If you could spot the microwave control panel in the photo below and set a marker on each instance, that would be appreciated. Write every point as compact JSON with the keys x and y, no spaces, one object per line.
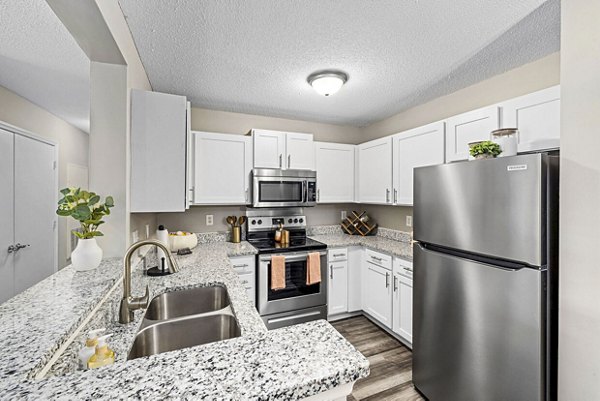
{"x":311,"y":195}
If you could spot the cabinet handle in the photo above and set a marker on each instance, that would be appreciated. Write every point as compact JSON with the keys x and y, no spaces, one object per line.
{"x":289,"y":161}
{"x":387,"y":196}
{"x":280,"y":161}
{"x":395,"y":283}
{"x":244,"y":281}
{"x":408,"y":269}
{"x":376,"y":258}
{"x":318,"y":195}
{"x":395,"y":196}
{"x":337,"y":255}
{"x":238,"y":266}
{"x":331,"y":272}
{"x":387,"y":280}
{"x":246,"y":195}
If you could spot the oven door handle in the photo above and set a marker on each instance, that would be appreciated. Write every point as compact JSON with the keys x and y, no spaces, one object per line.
{"x":294,"y":258}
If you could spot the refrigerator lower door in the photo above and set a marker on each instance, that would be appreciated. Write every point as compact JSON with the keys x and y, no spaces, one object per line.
{"x":478,"y":330}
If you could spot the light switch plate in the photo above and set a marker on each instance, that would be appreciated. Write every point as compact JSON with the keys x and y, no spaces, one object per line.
{"x":344,"y":214}
{"x":209,"y":219}
{"x":409,"y":221}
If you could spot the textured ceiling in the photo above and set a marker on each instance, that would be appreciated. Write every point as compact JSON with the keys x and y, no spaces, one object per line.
{"x":40,"y":60}
{"x":254,"y":56}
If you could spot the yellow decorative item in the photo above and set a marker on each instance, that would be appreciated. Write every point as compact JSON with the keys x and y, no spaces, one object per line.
{"x":182,"y":239}
{"x":104,"y":356}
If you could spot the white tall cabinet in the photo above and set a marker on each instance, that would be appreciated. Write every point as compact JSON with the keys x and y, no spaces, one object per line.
{"x":159,"y":152}
{"x":222,"y":165}
{"x":375,"y":171}
{"x":472,"y":126}
{"x":335,"y":172}
{"x":402,"y":306}
{"x":423,"y":146}
{"x":285,"y":150}
{"x":28,"y":235}
{"x":537,"y":116}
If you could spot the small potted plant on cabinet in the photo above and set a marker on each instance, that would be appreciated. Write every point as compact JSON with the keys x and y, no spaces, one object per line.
{"x":484,"y":150}
{"x":86,"y":208}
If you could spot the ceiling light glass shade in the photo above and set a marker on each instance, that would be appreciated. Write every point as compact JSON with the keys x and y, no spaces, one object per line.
{"x":327,"y":82}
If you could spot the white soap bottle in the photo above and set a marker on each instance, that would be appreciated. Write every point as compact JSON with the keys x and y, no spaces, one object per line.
{"x":90,"y":347}
{"x":162,"y":234}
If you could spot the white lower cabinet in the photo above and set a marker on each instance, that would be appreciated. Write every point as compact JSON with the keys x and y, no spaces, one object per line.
{"x":337,"y":295}
{"x":355,"y":262}
{"x":402,"y":306}
{"x":245,"y":267}
{"x":377,"y":289}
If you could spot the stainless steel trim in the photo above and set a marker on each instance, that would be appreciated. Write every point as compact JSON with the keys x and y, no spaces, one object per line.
{"x":289,"y":256}
{"x":283,"y":319}
{"x":291,"y":173}
{"x":293,"y":317}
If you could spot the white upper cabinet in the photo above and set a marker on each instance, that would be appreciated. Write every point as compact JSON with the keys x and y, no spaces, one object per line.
{"x":275,"y":149}
{"x":423,"y":146}
{"x":375,"y":171}
{"x":537,"y":116}
{"x":222,"y":165}
{"x":476,"y":125}
{"x":158,"y":152}
{"x":335,"y":172}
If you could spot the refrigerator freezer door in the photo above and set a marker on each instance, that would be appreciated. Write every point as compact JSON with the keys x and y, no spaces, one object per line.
{"x":491,"y":207}
{"x":477,"y":330}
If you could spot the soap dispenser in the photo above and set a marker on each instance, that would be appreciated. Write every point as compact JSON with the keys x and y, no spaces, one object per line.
{"x":90,"y":347}
{"x":103,"y":356}
{"x":162,"y":234}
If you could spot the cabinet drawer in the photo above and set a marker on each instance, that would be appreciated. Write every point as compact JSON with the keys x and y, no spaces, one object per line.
{"x":403,"y":267}
{"x":379,"y":259}
{"x":337,"y":254}
{"x":244,"y":264}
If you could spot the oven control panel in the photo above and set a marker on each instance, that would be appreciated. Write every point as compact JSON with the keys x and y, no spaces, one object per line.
{"x":269,"y":222}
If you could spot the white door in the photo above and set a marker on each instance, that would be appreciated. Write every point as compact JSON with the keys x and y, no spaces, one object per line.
{"x":355,"y":264}
{"x":377,"y":293}
{"x":337,"y":296}
{"x":423,"y":146}
{"x":269,"y":148}
{"x":335,"y":172}
{"x":300,"y":151}
{"x":375,"y":171}
{"x":537,"y":116}
{"x":405,"y":295}
{"x":222,"y":164}
{"x":7,"y":227}
{"x":34,"y":211}
{"x":476,"y":125}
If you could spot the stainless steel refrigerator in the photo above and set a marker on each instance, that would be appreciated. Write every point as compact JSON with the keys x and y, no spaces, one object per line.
{"x":485,"y":279}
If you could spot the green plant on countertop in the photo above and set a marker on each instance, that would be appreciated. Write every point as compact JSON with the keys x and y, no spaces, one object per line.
{"x":485,"y":148}
{"x":86,"y":208}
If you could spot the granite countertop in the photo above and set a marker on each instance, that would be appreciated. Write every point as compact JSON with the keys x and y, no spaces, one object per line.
{"x":401,"y":249}
{"x":285,"y":364}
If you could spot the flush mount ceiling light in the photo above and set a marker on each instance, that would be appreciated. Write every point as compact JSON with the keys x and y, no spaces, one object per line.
{"x":327,"y":82}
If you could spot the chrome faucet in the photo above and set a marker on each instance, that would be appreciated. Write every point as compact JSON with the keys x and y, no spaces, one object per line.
{"x":129,"y":303}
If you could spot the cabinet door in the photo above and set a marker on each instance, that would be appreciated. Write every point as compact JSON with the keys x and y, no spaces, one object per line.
{"x":423,"y":146}
{"x":222,"y":164}
{"x":475,"y":125}
{"x":377,"y":293}
{"x":337,"y":296}
{"x":300,"y":151}
{"x":405,"y":295}
{"x":335,"y":172}
{"x":355,"y":261}
{"x":375,"y":171}
{"x":7,"y":205}
{"x":158,"y":152}
{"x":269,"y":148}
{"x":537,"y":116}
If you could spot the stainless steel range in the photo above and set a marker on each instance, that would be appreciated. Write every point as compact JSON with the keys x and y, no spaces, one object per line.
{"x":297,"y":302}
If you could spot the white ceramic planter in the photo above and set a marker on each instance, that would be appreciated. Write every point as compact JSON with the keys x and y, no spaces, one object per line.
{"x":87,"y":255}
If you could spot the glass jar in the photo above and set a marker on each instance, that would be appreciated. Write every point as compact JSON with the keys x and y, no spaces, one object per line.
{"x":507,"y":139}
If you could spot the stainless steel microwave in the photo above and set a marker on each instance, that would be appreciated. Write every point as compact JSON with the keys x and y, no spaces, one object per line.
{"x":283,"y":188}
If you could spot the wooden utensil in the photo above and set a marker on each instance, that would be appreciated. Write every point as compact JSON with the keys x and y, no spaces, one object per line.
{"x":242,"y":220}
{"x":231,"y":220}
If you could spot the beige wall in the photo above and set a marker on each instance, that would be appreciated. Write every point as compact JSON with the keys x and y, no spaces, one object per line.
{"x":72,"y":144}
{"x":238,"y":123}
{"x":579,"y":304}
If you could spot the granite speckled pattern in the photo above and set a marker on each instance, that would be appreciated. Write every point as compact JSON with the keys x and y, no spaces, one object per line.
{"x":400,"y":249}
{"x":285,"y":364}
{"x":325,"y":229}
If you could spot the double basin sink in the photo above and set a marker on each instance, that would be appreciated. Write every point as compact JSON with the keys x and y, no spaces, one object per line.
{"x":185,"y":318}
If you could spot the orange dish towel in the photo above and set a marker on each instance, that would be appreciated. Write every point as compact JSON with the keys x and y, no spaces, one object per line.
{"x":277,"y":272}
{"x":313,"y":268}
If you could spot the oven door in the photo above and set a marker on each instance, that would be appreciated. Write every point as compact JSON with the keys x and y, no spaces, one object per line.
{"x":278,"y":192}
{"x":297,"y":294}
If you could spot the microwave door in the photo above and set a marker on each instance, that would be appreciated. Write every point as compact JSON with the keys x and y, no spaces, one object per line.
{"x":278,"y":192}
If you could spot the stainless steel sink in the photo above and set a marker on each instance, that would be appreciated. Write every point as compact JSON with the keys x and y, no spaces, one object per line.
{"x":183,"y":333}
{"x":194,"y":301}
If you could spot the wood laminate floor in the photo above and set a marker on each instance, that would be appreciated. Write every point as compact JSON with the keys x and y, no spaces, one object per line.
{"x":391,"y":362}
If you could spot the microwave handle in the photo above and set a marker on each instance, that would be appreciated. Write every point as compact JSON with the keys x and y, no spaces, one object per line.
{"x":304,"y":191}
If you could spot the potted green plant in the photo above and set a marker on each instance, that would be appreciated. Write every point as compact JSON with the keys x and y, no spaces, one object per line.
{"x":86,"y":208}
{"x":484,"y":150}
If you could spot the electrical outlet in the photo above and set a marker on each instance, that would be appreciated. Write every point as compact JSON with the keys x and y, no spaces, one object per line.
{"x":209,"y":219}
{"x":147,"y":231}
{"x":408,"y":221}
{"x":344,"y":214}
